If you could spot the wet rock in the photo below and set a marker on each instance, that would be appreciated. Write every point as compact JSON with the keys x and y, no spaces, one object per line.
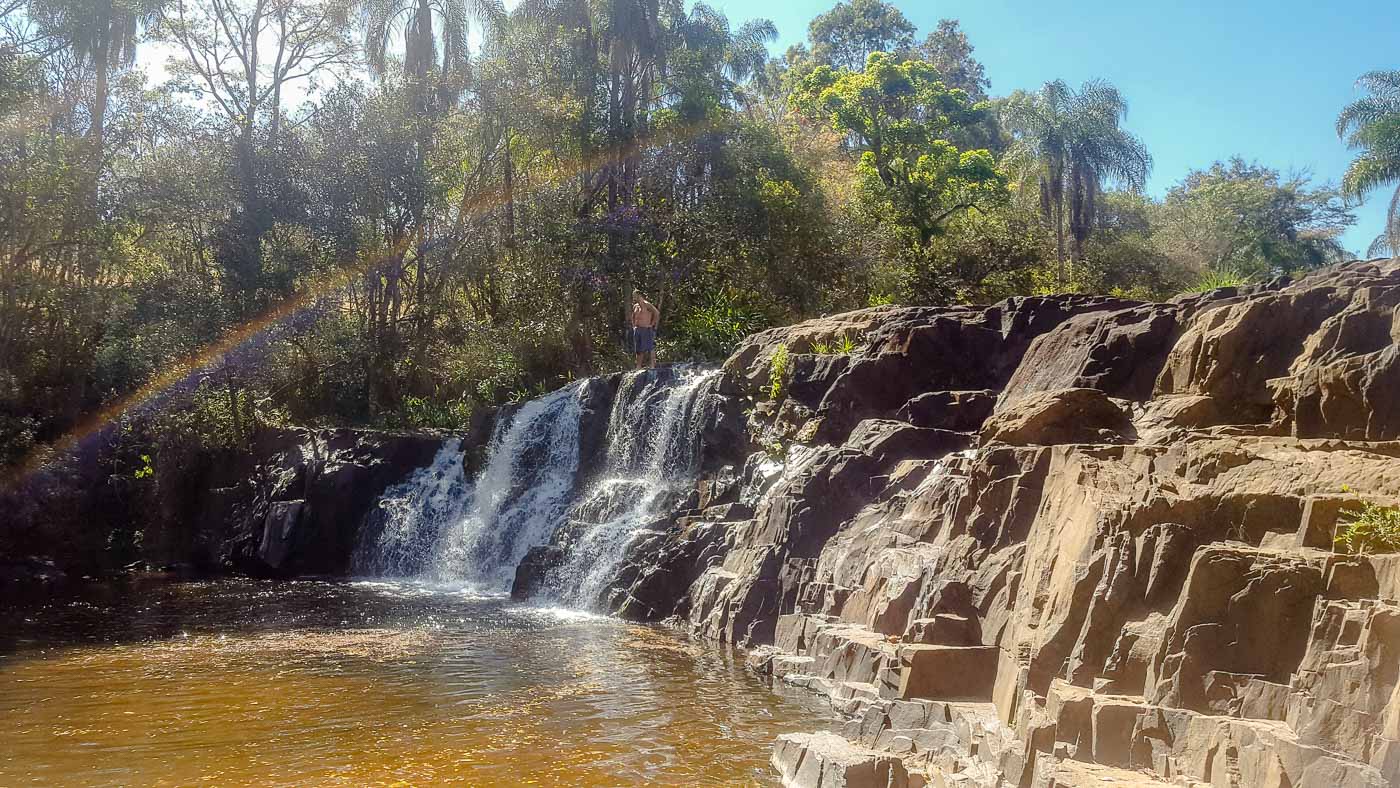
{"x":305,"y":514}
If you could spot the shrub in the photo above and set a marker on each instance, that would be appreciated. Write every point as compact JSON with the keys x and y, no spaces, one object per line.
{"x":714,"y":329}
{"x":420,"y":413}
{"x":777,"y":372}
{"x":1214,"y":280}
{"x":843,"y":345}
{"x":1371,"y":529}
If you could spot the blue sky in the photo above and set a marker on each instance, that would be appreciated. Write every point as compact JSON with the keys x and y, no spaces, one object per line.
{"x":1204,"y":80}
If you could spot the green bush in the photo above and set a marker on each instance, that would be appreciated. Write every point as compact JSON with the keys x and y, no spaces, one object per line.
{"x":778,"y":372}
{"x":1370,"y":529}
{"x":714,"y":329}
{"x":1214,"y":280}
{"x":842,"y":345}
{"x":421,"y":412}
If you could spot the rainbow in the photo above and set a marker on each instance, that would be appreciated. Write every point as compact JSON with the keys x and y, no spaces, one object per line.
{"x":186,"y":373}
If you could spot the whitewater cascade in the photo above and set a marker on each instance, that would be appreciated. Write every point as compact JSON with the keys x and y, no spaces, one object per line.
{"x":440,"y":526}
{"x":653,"y":458}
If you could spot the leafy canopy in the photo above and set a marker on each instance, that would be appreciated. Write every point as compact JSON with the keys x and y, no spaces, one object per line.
{"x":899,"y":116}
{"x":1247,"y":220}
{"x":849,"y":33}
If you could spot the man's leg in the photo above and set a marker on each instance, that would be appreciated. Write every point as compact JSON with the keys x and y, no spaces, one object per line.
{"x":651,"y":360}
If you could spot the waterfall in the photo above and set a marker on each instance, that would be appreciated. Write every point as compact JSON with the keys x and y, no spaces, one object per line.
{"x":437,"y":526}
{"x":441,"y":527}
{"x":400,"y":534}
{"x":653,"y":458}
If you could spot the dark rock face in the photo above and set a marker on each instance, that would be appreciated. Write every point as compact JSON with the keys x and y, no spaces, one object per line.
{"x":1062,"y":541}
{"x":309,"y":500}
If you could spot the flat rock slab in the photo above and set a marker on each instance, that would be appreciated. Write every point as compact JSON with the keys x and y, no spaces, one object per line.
{"x":826,"y":760}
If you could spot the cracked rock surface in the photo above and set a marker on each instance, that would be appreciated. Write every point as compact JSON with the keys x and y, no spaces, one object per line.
{"x":1061,"y":541}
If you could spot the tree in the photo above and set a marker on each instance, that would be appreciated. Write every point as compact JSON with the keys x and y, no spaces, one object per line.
{"x":1247,"y":220}
{"x":242,"y":55}
{"x":899,"y":116}
{"x":1372,"y":125}
{"x":849,"y":33}
{"x":1070,"y":143}
{"x":103,"y":33}
{"x":950,"y":53}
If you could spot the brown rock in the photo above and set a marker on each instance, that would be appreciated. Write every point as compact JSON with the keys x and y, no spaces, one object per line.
{"x":825,"y":760}
{"x":1055,"y":417}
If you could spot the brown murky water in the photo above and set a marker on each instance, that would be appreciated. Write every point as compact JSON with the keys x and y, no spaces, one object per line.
{"x":313,"y":683}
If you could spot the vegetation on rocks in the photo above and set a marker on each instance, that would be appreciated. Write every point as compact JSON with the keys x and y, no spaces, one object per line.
{"x":1371,"y":528}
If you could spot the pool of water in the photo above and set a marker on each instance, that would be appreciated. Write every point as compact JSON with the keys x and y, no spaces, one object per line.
{"x":369,"y":683}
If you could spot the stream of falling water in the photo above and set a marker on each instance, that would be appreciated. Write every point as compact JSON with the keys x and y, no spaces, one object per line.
{"x":440,"y":526}
{"x":425,"y":674}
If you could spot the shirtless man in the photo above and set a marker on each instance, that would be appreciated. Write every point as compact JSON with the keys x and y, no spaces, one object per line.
{"x":645,"y":317}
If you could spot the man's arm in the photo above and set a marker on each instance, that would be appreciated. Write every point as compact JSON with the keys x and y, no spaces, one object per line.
{"x":655,"y":315}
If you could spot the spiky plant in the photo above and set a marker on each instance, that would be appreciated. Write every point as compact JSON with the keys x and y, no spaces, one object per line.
{"x":1371,"y":124}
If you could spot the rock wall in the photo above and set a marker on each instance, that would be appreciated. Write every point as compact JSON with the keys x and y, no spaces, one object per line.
{"x":1062,"y":541}
{"x":290,"y":503}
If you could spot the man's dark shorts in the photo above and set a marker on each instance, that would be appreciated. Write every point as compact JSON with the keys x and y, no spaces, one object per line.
{"x":643,"y":339}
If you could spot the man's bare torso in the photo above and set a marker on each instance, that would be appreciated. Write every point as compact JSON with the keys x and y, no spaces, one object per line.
{"x":644,"y":315}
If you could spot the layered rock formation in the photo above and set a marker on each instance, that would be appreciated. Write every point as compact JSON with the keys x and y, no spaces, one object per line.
{"x":1061,"y":541}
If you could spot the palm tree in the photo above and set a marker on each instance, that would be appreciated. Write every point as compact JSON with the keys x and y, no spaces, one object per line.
{"x":101,"y":32}
{"x":1372,"y":125}
{"x":1070,"y":143}
{"x":434,"y":35}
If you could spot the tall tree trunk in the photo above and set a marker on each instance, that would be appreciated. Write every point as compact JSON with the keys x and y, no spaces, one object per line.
{"x":509,"y":178}
{"x":1059,"y":204}
{"x":101,"y":57}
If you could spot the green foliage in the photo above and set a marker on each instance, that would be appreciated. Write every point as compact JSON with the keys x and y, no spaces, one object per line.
{"x":778,"y":373}
{"x":1247,"y":219}
{"x":420,"y":238}
{"x":421,"y":412}
{"x":849,"y":33}
{"x":1370,"y":529}
{"x":1216,"y":280}
{"x":1066,"y":144}
{"x":145,"y":471}
{"x":843,"y":345}
{"x":775,"y":450}
{"x":714,"y":328}
{"x":902,"y":115}
{"x":947,"y":48}
{"x":1371,"y":125}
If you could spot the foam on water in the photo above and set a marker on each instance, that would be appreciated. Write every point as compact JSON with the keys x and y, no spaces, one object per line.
{"x":440,"y":528}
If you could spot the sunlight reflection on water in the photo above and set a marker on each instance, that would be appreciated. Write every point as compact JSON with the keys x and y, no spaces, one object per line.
{"x":370,"y":682}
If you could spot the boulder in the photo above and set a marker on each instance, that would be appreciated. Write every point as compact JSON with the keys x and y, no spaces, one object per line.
{"x":1060,"y":416}
{"x":956,"y":411}
{"x":825,"y":760}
